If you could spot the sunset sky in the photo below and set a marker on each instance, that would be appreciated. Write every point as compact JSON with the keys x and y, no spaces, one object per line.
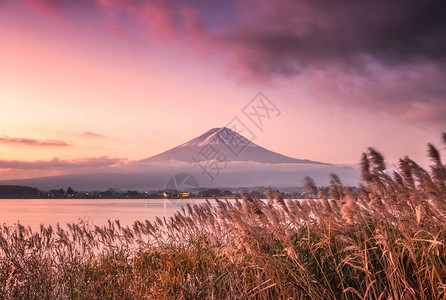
{"x":96,"y":83}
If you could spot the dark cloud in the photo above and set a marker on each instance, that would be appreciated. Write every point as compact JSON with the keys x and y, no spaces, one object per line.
{"x":378,"y":54}
{"x":33,"y":142}
{"x":382,"y":55}
{"x":287,"y":36}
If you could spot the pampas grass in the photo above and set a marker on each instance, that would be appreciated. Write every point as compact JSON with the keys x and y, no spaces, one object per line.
{"x":383,"y":240}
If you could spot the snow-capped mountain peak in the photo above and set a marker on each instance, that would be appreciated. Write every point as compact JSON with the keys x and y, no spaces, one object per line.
{"x":215,"y":136}
{"x":226,"y":142}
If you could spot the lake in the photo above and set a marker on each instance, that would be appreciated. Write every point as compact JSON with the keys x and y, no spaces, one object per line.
{"x":34,"y":212}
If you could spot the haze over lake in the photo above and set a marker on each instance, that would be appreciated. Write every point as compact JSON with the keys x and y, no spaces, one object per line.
{"x":34,"y":212}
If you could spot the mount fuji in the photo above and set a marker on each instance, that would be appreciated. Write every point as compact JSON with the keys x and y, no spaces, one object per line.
{"x":224,"y":143}
{"x":247,"y":165}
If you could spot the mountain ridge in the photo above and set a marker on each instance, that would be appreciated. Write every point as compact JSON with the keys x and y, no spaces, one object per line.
{"x":227,"y":143}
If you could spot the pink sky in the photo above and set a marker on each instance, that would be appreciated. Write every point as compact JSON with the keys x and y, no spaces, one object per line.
{"x":95,"y":83}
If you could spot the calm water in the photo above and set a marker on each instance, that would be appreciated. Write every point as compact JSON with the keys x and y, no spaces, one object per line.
{"x":34,"y":212}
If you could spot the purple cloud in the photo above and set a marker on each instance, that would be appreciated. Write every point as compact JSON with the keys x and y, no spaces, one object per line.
{"x":57,"y":164}
{"x":33,"y":142}
{"x":92,"y":134}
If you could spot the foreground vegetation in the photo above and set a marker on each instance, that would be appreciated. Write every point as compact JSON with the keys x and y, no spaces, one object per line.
{"x":385,"y":240}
